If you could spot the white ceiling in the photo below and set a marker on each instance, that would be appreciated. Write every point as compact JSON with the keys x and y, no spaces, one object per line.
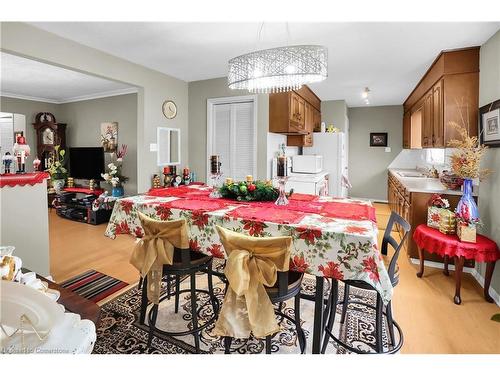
{"x":389,"y":58}
{"x":29,"y":79}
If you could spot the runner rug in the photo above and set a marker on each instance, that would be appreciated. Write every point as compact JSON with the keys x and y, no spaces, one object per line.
{"x":94,"y":285}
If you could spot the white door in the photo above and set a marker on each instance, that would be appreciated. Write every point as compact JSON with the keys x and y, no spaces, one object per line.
{"x":233,"y":136}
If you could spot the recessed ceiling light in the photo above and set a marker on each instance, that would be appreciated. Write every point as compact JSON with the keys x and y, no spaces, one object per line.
{"x":365,"y":93}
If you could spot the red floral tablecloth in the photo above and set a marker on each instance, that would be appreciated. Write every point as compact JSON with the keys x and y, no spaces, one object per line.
{"x":433,"y":241}
{"x":332,"y":237}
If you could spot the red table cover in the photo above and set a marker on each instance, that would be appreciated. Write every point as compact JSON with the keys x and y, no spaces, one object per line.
{"x":274,"y":214}
{"x":22,"y":179}
{"x":433,"y":241}
{"x":299,"y":205}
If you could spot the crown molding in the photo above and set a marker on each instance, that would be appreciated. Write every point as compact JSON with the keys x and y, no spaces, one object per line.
{"x":105,"y":94}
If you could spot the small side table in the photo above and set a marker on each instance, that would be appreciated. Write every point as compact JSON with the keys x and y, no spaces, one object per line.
{"x":450,"y":246}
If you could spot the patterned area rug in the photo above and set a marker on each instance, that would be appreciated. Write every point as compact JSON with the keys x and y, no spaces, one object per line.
{"x":94,"y":285}
{"x":121,"y":333}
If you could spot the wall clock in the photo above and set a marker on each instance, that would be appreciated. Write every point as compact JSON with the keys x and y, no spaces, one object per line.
{"x":48,"y":137}
{"x":169,"y":109}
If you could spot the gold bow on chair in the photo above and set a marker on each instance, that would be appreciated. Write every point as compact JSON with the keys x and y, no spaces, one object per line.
{"x":156,"y":248}
{"x":252,"y":263}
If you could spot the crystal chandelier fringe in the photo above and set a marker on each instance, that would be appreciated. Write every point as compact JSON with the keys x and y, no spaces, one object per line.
{"x":278,"y":69}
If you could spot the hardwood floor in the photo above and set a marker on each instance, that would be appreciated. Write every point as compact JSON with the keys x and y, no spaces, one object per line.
{"x":424,"y":308}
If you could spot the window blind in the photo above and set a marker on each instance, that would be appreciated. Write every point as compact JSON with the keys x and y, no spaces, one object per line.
{"x":234,"y":138}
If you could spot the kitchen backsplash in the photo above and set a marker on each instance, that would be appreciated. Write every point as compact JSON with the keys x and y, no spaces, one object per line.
{"x":424,"y":158}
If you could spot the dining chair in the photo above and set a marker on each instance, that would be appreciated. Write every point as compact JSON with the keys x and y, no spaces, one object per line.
{"x":183,"y":263}
{"x":267,"y":261}
{"x":393,"y":271}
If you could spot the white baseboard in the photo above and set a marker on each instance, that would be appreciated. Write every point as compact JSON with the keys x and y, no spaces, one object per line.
{"x":479,"y":278}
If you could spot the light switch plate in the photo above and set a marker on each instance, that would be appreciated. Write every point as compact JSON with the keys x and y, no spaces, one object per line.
{"x":153,"y":147}
{"x":387,"y":149}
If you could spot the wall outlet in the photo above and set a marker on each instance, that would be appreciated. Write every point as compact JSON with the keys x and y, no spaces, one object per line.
{"x":153,"y":147}
{"x":387,"y":149}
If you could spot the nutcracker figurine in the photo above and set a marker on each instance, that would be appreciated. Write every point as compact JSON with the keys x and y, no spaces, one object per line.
{"x":7,"y":161}
{"x":21,"y":152}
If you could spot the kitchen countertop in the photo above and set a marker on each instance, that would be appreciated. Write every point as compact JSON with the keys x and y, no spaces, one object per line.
{"x":424,"y":184}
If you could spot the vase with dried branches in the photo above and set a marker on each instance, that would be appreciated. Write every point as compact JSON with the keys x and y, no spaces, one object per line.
{"x":466,"y":162}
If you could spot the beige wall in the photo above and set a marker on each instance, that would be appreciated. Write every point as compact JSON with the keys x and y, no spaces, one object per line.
{"x":154,"y":87}
{"x":29,"y":109}
{"x":334,"y":112}
{"x":199,"y":92}
{"x":26,"y":226}
{"x":83,"y":119}
{"x":84,"y":128}
{"x":368,"y":165}
{"x":489,"y":191}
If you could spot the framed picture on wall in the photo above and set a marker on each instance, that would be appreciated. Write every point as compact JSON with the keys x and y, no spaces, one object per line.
{"x":109,"y":136}
{"x":378,"y":139}
{"x":489,"y":124}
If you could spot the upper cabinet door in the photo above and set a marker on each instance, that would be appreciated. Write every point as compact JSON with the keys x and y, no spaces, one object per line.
{"x":427,"y":121}
{"x":295,"y":107}
{"x":437,"y":115}
{"x":407,"y":130}
{"x":302,"y":113}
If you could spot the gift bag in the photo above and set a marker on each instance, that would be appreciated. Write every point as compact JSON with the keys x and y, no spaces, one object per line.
{"x":447,"y":221}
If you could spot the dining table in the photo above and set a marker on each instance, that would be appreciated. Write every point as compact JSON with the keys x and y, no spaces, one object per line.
{"x":332,"y":238}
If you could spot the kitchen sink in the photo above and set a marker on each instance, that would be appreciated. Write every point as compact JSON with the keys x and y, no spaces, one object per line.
{"x":411,"y":174}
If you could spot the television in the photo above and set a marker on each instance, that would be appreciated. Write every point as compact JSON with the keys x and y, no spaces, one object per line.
{"x":86,"y":162}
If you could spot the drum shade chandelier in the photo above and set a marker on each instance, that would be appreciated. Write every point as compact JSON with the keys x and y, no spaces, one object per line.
{"x":278,"y":69}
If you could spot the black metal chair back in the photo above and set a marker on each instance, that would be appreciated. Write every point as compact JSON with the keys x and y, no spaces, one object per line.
{"x":389,"y":240}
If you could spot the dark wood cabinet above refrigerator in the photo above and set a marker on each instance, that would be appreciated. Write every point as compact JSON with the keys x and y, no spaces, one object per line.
{"x":295,"y":113}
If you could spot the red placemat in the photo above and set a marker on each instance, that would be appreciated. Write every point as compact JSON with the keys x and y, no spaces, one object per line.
{"x":271,"y":214}
{"x":433,"y":241}
{"x":303,"y":197}
{"x":349,"y":211}
{"x":181,"y":192}
{"x":197,"y":204}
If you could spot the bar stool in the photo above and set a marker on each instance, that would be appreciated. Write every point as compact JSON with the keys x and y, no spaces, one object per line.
{"x":393,"y":271}
{"x":258,"y":274}
{"x":163,"y":254}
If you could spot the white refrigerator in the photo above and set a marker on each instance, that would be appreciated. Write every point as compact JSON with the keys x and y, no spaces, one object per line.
{"x":333,"y":148}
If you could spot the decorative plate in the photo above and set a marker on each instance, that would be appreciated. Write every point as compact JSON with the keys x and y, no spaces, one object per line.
{"x":17,"y":299}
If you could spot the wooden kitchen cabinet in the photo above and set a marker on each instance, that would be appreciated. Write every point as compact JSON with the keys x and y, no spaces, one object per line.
{"x":412,"y":206}
{"x":437,"y":116}
{"x":448,"y":91}
{"x":295,"y":113}
{"x":427,"y":122}
{"x":298,"y":112}
{"x":407,"y":130}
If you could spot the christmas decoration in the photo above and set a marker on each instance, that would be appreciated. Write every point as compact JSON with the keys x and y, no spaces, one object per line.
{"x":435,"y":206}
{"x":249,"y":191}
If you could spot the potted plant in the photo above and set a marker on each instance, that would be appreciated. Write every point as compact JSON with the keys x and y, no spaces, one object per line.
{"x":114,"y":175}
{"x":56,"y":169}
{"x":465,"y":163}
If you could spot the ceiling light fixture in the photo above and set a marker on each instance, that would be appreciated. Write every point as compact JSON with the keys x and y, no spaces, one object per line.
{"x":365,"y":93}
{"x":278,"y":69}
